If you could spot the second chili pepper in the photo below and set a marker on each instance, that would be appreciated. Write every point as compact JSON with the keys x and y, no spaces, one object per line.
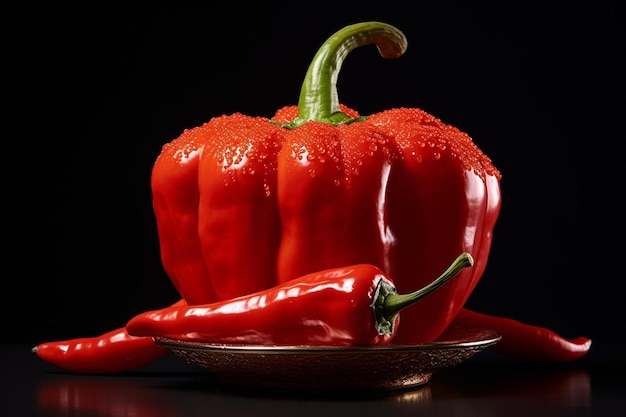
{"x":524,"y":341}
{"x":347,"y":306}
{"x":112,"y":352}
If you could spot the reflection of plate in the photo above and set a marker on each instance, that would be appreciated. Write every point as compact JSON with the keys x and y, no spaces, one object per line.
{"x":353,"y":368}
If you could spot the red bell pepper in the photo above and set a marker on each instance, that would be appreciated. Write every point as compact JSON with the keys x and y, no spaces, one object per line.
{"x":243,"y":203}
{"x":210,"y":213}
{"x":355,"y":305}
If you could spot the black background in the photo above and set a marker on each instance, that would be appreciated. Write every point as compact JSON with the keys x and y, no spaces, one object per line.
{"x":89,"y":99}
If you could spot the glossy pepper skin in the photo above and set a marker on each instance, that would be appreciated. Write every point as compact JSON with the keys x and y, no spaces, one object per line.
{"x":253,"y":202}
{"x":217,"y":226}
{"x":526,"y":342}
{"x":111,"y":352}
{"x":355,"y":305}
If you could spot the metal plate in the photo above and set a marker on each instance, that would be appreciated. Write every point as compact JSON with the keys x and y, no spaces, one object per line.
{"x":333,"y":368}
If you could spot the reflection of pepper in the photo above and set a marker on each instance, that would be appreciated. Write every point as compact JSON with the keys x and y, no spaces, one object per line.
{"x":65,"y":396}
{"x":111,"y":352}
{"x":242,"y":202}
{"x":352,"y":305}
{"x":524,"y":341}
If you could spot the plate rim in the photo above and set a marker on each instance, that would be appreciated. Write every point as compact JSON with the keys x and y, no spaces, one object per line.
{"x":482,"y":337}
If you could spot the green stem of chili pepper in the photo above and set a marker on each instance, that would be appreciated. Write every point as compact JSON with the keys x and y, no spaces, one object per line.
{"x":318,"y":96}
{"x":387,"y":303}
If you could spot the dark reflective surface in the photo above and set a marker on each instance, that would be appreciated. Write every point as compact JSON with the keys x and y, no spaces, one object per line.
{"x":486,"y":385}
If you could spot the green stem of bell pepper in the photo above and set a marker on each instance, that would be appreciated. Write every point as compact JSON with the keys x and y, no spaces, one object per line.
{"x":318,"y":97}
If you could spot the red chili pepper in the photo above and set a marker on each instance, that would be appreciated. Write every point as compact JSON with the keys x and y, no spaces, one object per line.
{"x":111,"y":352}
{"x":524,"y":341}
{"x":352,"y":305}
{"x":114,"y":351}
{"x":243,"y":203}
